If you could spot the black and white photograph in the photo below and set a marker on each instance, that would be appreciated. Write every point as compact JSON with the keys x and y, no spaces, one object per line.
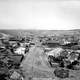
{"x":39,"y":40}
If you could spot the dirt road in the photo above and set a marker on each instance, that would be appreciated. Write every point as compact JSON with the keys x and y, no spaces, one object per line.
{"x":34,"y":64}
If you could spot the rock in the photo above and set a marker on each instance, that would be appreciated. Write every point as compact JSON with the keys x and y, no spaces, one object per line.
{"x":15,"y":75}
{"x":61,"y":73}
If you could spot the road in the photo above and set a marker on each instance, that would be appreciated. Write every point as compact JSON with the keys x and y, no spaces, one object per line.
{"x":34,"y":63}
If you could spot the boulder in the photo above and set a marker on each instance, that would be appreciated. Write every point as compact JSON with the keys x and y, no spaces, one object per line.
{"x":61,"y":73}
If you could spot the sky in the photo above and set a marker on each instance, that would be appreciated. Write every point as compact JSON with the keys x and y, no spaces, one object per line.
{"x":40,"y":14}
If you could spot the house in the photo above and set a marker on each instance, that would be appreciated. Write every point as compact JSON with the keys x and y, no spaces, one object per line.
{"x":16,"y":58}
{"x":51,"y":44}
{"x":20,"y":50}
{"x":55,"y":52}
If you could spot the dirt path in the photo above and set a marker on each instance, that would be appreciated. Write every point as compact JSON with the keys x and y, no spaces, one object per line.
{"x":35,"y":59}
{"x":34,"y":63}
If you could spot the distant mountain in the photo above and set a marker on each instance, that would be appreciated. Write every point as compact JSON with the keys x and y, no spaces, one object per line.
{"x":20,"y":32}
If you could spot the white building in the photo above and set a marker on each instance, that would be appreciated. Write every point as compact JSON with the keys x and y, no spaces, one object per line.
{"x":55,"y":52}
{"x":20,"y":50}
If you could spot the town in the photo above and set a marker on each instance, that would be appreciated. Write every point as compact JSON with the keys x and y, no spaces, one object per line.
{"x":21,"y":57}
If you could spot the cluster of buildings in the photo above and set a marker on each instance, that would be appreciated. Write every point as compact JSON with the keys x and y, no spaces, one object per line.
{"x":63,"y":53}
{"x":12,"y":53}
